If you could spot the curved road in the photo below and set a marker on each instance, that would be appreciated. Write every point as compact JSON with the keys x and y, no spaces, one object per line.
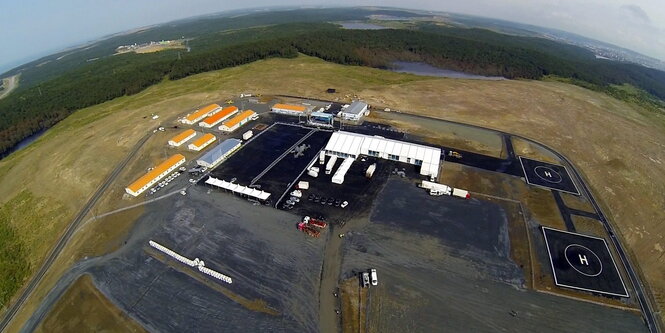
{"x":69,"y":231}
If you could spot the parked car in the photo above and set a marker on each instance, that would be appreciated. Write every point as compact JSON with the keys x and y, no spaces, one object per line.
{"x":365,"y":279}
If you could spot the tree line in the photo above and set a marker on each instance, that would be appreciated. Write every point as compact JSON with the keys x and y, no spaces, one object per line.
{"x":475,"y":51}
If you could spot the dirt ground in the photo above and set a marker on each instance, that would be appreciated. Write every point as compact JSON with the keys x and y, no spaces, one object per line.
{"x":353,"y":299}
{"x":623,"y":165}
{"x":84,"y":309}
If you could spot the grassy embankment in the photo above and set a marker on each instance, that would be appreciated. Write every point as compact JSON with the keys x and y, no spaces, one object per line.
{"x":619,"y":147}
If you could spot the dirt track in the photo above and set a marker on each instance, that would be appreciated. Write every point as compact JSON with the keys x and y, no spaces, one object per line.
{"x":8,"y":84}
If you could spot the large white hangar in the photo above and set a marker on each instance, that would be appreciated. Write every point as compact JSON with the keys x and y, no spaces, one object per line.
{"x":347,"y":144}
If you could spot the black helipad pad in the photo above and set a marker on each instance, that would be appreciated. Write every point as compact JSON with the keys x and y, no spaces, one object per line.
{"x":583,"y":262}
{"x":548,"y":175}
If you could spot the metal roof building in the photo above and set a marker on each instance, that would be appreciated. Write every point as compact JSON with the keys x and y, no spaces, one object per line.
{"x":355,"y":111}
{"x":215,"y":155}
{"x":202,"y":142}
{"x":237,"y":121}
{"x":202,"y":113}
{"x":182,"y":137}
{"x":154,"y":175}
{"x":347,"y":144}
{"x":218,"y":117}
{"x":288,"y":109}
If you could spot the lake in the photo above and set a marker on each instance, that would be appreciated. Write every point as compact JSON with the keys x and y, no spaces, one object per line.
{"x":361,"y":26}
{"x":420,"y":68}
{"x":23,"y":143}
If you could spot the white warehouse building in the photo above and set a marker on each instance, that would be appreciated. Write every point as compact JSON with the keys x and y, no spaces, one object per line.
{"x":355,"y":111}
{"x":347,"y":144}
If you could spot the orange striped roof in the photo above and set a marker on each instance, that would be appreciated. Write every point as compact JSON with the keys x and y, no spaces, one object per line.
{"x":290,"y":107}
{"x":203,"y":140}
{"x":152,"y":174}
{"x":182,"y":136}
{"x":201,"y":112}
{"x":221,"y":114}
{"x":235,"y":120}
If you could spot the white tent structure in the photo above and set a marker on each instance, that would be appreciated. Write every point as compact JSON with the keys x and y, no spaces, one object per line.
{"x":347,"y":144}
{"x":235,"y":188}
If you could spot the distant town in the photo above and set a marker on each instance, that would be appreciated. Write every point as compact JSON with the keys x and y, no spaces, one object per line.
{"x":153,"y":46}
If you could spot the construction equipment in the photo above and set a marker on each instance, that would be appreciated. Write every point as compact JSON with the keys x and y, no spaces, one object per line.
{"x":304,"y":227}
{"x":454,"y":154}
{"x":314,"y":222}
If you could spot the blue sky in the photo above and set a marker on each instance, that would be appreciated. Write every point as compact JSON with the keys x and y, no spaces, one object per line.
{"x":33,"y":28}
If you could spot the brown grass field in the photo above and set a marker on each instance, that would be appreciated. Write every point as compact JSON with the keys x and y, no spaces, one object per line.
{"x":82,"y":308}
{"x":619,"y":148}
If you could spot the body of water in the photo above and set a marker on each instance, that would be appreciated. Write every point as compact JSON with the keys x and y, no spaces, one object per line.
{"x":420,"y":68}
{"x":361,"y":26}
{"x":23,"y":143}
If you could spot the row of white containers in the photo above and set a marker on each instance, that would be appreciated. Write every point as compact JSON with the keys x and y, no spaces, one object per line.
{"x":192,"y":263}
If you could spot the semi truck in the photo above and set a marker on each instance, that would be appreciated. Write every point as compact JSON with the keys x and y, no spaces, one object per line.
{"x":331,"y":164}
{"x":441,"y":189}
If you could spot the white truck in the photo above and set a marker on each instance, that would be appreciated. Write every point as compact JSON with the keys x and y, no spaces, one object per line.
{"x":365,"y":279}
{"x":372,"y":275}
{"x":441,"y":189}
{"x":247,"y":135}
{"x":322,"y":157}
{"x":313,"y":171}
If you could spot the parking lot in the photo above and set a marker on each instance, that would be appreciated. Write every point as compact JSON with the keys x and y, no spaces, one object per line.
{"x":282,"y":174}
{"x":324,"y":198}
{"x":256,"y":155}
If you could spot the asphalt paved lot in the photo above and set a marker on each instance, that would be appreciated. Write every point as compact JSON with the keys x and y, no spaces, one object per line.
{"x":429,"y":283}
{"x":272,"y":265}
{"x":256,"y":155}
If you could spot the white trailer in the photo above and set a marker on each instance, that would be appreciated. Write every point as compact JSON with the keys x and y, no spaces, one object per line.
{"x":464,"y":194}
{"x":370,"y":170}
{"x":338,"y":177}
{"x":331,"y":164}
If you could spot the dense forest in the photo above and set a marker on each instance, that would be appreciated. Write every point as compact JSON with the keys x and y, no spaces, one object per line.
{"x":51,"y":95}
